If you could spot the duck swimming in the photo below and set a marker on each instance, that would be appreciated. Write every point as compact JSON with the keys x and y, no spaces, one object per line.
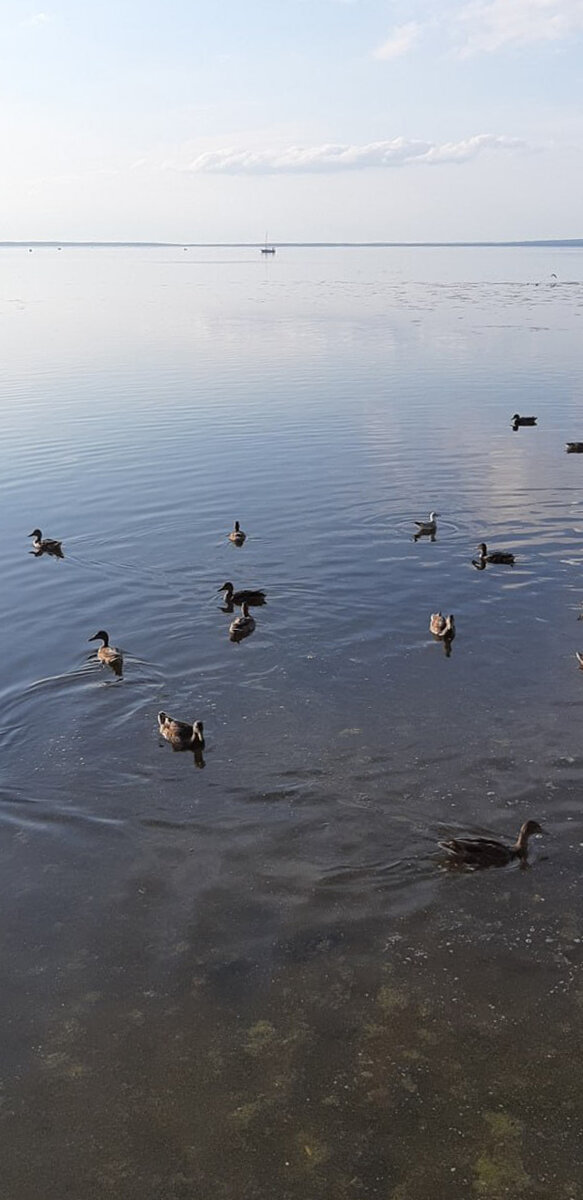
{"x":437,"y":624}
{"x":574,"y":447}
{"x":43,"y":545}
{"x":488,"y":852}
{"x":495,"y":556}
{"x":427,"y":528}
{"x":443,"y":629}
{"x":110,"y":655}
{"x":236,"y":535}
{"x":579,"y":656}
{"x":517,"y":420}
{"x":245,"y":596}
{"x":242,"y":626}
{"x":180,"y":734}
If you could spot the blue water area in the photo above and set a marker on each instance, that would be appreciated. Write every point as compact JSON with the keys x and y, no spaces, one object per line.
{"x":253,"y":975}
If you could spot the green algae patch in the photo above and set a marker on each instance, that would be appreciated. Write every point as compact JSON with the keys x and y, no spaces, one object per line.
{"x":391,"y":999}
{"x":499,"y":1170}
{"x":260,"y":1037}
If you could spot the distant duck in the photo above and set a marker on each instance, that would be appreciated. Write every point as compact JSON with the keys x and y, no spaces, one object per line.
{"x":574,"y":447}
{"x":517,"y":420}
{"x":245,"y":596}
{"x":242,"y":626}
{"x":43,"y":545}
{"x":181,"y":735}
{"x":495,"y":556}
{"x":427,"y":528}
{"x":488,"y":852}
{"x":107,"y":654}
{"x":579,"y":656}
{"x":236,"y":535}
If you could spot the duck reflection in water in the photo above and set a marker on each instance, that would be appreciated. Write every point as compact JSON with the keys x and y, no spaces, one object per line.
{"x":242,"y":626}
{"x":183,"y":736}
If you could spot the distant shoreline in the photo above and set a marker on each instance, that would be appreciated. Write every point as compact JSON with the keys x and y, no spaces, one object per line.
{"x":554,"y":243}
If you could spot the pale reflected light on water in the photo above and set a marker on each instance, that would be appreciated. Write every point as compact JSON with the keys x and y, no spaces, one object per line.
{"x":256,"y":979}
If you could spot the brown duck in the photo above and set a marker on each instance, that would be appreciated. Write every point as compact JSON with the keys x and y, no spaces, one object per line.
{"x":488,"y":852}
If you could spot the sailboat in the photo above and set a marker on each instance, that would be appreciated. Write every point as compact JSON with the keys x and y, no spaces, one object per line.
{"x":267,"y":249}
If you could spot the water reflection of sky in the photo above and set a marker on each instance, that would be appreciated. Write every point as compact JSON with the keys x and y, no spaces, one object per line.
{"x":256,"y":977}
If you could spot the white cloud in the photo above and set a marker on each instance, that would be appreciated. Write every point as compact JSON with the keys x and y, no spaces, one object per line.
{"x":400,"y":42}
{"x":490,"y":25}
{"x":35,"y":20}
{"x":296,"y":160}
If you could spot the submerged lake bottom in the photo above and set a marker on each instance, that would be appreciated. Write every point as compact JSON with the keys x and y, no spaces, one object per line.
{"x":255,"y":975}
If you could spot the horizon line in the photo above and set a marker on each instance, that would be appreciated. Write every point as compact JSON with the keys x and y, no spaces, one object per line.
{"x":573,"y":242}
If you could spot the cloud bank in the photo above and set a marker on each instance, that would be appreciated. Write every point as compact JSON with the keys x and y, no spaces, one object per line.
{"x":486,"y":26}
{"x":490,"y":25}
{"x":302,"y":160}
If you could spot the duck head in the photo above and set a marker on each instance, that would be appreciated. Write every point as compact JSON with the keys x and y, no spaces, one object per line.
{"x":100,"y":636}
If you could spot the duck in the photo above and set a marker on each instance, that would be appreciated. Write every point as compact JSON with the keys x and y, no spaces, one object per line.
{"x":180,"y":734}
{"x":517,"y":420}
{"x":437,"y":624}
{"x":242,"y":626}
{"x":427,"y":528}
{"x":110,"y":655}
{"x":495,"y":556}
{"x":244,"y":596}
{"x":489,"y":852}
{"x":579,"y":656}
{"x":236,"y":535}
{"x":43,"y":545}
{"x":443,"y":628}
{"x":574,"y":447}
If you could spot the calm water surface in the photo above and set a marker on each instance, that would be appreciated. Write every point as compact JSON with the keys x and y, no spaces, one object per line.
{"x":256,"y":979}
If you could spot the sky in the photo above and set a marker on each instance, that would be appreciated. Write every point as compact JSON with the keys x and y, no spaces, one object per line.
{"x":314,"y":120}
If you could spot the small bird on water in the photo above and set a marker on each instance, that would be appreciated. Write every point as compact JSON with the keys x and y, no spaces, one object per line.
{"x":43,"y":545}
{"x":489,"y":852}
{"x":180,"y":734}
{"x":242,"y":626}
{"x":438,"y":624}
{"x":426,"y":528}
{"x":574,"y":447}
{"x":517,"y":420}
{"x":245,"y":596}
{"x":443,"y":629}
{"x":236,"y":535}
{"x":109,"y":655}
{"x":494,"y":556}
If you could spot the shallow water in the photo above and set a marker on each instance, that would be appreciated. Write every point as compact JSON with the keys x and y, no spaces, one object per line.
{"x":257,"y":979}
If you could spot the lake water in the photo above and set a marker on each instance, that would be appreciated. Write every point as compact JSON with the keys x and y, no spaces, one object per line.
{"x":257,"y":979}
